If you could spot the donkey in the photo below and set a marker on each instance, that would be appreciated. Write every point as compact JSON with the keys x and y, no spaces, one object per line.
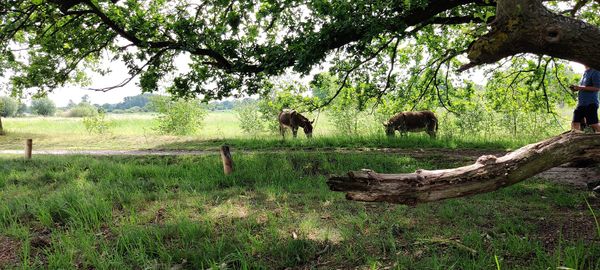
{"x":292,"y":119}
{"x":412,"y":122}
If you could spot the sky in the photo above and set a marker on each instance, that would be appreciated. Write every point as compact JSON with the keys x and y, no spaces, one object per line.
{"x":61,"y":96}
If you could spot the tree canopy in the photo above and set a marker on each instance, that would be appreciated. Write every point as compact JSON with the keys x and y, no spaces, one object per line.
{"x":235,"y":46}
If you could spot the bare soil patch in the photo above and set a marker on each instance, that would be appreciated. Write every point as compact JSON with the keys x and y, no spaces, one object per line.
{"x":568,"y":225}
{"x":9,"y":250}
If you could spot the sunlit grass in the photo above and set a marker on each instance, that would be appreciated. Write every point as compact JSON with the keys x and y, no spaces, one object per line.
{"x":137,"y":131}
{"x":275,"y":211}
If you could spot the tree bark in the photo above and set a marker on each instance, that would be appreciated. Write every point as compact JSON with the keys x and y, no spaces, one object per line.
{"x":526,"y":26}
{"x":28,"y":148}
{"x":489,"y":173}
{"x":1,"y":128}
{"x":227,"y":160}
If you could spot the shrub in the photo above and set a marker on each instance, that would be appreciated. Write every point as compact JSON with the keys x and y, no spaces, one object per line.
{"x":97,"y":124}
{"x":22,"y":109}
{"x":8,"y":107}
{"x":43,"y":106}
{"x":134,"y":109}
{"x":250,"y":118}
{"x":83,"y":109}
{"x":178,"y":117}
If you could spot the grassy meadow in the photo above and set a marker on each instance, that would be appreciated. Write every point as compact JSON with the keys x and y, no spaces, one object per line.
{"x":275,"y":212}
{"x":138,"y":131}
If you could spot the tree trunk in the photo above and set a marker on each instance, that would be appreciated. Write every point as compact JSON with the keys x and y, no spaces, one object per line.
{"x":526,"y":26}
{"x":1,"y":128}
{"x":489,"y":173}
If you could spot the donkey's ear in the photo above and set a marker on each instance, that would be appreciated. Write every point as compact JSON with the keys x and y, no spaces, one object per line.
{"x":312,"y":122}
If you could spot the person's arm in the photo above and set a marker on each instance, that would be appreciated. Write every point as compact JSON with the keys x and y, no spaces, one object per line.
{"x":585,"y":88}
{"x":595,"y":77}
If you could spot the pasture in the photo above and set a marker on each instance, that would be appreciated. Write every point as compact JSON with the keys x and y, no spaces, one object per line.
{"x":138,"y":131}
{"x":275,"y":212}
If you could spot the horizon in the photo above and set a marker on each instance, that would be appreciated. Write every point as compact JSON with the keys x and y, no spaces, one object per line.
{"x":61,"y":96}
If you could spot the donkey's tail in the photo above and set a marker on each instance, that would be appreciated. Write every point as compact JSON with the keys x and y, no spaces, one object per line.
{"x":434,"y":121}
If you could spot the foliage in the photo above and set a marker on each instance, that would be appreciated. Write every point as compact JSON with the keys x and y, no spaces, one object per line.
{"x":8,"y":107}
{"x":43,"y":106}
{"x":280,"y":96}
{"x":97,"y":124}
{"x":237,"y":47}
{"x":511,"y":91}
{"x":250,"y":119}
{"x":178,"y":117}
{"x":348,"y":111}
{"x":138,"y":102}
{"x":221,"y":105}
{"x":22,"y":109}
{"x":83,"y":109}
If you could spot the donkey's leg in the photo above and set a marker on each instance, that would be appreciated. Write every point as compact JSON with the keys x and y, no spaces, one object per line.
{"x":431,"y":133}
{"x":432,"y":128}
{"x":282,"y":131}
{"x":295,"y":132}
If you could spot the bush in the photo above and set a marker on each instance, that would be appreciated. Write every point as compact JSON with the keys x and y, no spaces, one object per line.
{"x":43,"y":106}
{"x":83,"y":109}
{"x":250,"y":117}
{"x":97,"y":124}
{"x":178,"y":117}
{"x":8,"y":107}
{"x":22,"y":109}
{"x":134,"y":109}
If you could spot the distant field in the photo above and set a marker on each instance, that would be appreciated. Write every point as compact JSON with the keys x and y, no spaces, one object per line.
{"x":275,"y":212}
{"x":137,"y":131}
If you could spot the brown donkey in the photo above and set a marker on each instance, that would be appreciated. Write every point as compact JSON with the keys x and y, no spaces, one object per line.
{"x":292,"y":119}
{"x":412,"y":122}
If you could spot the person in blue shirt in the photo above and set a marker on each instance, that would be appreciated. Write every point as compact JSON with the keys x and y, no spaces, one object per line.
{"x":587,"y":100}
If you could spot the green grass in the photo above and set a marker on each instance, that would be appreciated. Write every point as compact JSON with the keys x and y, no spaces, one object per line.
{"x":137,"y":131}
{"x":274,"y":212}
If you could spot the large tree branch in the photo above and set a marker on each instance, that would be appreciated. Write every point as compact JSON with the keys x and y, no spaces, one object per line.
{"x":526,"y":26}
{"x":489,"y":173}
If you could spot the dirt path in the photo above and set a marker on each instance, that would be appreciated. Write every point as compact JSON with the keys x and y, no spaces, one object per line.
{"x":112,"y":152}
{"x":452,"y":154}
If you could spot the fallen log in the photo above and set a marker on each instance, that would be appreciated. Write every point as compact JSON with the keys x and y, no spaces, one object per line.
{"x":489,"y":173}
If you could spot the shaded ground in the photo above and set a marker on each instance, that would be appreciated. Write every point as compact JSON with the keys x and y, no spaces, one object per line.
{"x":9,"y":251}
{"x":581,"y":177}
{"x":275,"y":212}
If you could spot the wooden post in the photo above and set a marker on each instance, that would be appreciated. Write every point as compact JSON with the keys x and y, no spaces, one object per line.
{"x":1,"y":129}
{"x":28,"y":148}
{"x":227,"y":160}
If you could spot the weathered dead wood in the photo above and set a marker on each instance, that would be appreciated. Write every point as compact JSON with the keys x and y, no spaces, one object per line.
{"x":527,"y":26}
{"x":227,"y":160}
{"x":28,"y":148}
{"x":489,"y":173}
